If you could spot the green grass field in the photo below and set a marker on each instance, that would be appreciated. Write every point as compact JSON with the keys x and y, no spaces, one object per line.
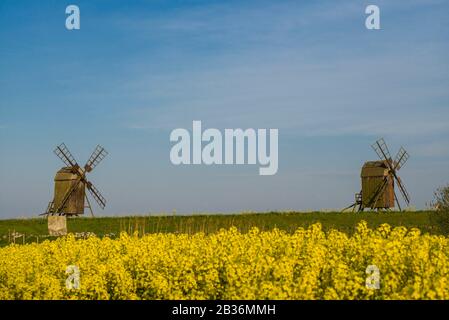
{"x":31,"y":230}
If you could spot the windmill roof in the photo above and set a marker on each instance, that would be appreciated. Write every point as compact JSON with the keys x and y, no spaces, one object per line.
{"x":376,"y":164}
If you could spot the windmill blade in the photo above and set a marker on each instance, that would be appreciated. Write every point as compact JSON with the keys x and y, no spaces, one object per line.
{"x":64,"y":154}
{"x":380,"y":147}
{"x":401,"y":158}
{"x":402,"y":189}
{"x":96,"y":194}
{"x":397,"y":201}
{"x":97,"y":156}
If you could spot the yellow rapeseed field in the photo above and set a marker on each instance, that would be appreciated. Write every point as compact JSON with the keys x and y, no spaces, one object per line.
{"x":308,"y":264}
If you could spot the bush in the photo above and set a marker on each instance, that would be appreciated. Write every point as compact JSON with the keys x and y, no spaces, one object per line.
{"x":441,"y":204}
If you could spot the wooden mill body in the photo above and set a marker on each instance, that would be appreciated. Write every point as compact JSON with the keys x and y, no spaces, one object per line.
{"x":65,"y":179}
{"x":373,"y":175}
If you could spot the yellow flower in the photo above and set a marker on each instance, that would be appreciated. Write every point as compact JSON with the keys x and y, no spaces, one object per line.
{"x":307,"y":264}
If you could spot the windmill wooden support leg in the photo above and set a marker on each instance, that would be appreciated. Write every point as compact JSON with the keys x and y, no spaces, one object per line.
{"x":358,"y":202}
{"x":351,"y":206}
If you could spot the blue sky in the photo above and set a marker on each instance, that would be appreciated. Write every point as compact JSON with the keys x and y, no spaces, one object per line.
{"x":136,"y":70}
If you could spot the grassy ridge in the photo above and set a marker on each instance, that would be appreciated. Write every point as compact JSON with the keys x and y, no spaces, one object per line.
{"x":289,"y":221}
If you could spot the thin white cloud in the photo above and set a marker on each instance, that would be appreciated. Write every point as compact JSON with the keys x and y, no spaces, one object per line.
{"x":432,"y":149}
{"x":392,"y":95}
{"x":280,"y":82}
{"x":225,"y":22}
{"x":273,"y":72}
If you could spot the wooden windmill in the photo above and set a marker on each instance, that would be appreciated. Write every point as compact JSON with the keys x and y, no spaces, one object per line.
{"x":71,"y":184}
{"x":379,"y":179}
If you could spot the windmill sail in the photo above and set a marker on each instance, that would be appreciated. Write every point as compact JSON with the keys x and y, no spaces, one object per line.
{"x":97,"y":156}
{"x":64,"y":154}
